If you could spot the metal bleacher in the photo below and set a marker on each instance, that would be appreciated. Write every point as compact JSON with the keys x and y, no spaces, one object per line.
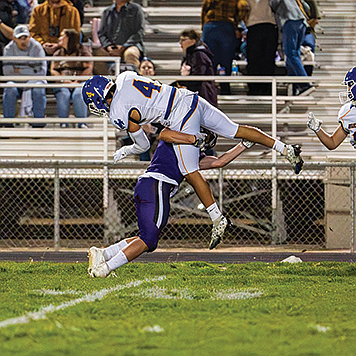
{"x":335,"y":54}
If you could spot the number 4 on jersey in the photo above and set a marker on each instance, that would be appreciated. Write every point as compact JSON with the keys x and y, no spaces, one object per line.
{"x":146,"y":88}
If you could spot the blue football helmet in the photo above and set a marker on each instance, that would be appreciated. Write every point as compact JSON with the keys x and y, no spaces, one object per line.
{"x":350,"y":82}
{"x":94,"y":92}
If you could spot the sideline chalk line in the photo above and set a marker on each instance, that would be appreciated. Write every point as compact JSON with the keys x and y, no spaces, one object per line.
{"x":43,"y":311}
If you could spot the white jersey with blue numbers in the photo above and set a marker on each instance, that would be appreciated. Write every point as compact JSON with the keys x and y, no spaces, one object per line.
{"x":152,"y":100}
{"x":179,"y":109}
{"x":347,"y":119}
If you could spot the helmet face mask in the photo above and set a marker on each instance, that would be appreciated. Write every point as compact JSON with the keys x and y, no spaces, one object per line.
{"x":211,"y":139}
{"x":350,"y":82}
{"x":94,"y":93}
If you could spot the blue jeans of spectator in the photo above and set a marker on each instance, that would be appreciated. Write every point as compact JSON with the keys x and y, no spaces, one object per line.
{"x":293,"y":36}
{"x":64,"y":97}
{"x":309,"y":40}
{"x":221,"y":39}
{"x":38,"y":101}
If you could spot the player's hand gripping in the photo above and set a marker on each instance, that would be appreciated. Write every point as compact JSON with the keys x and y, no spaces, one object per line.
{"x":120,"y":154}
{"x":200,"y":139}
{"x":313,"y":123}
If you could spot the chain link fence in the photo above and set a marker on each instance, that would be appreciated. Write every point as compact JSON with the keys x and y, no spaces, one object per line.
{"x":72,"y":205}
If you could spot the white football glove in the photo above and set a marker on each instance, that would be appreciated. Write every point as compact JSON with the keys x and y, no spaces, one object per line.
{"x":200,"y":139}
{"x":120,"y":154}
{"x":247,"y":143}
{"x":313,"y":123}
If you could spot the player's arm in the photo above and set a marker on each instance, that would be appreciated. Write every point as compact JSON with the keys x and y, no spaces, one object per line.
{"x":329,"y":141}
{"x":332,"y":141}
{"x":141,"y":143}
{"x":171,"y":136}
{"x":210,"y":162}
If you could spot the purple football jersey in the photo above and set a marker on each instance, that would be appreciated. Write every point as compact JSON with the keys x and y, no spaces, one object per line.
{"x":164,"y":161}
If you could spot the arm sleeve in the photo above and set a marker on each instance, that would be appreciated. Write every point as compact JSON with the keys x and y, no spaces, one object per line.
{"x":102,"y":32}
{"x":35,"y":27}
{"x":137,"y":37}
{"x":8,"y":67}
{"x":141,"y":142}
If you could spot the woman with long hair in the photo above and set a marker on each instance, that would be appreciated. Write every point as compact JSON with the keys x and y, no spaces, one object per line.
{"x":69,"y":45}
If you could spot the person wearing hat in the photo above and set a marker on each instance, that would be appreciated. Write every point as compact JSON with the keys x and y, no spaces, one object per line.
{"x":23,"y":45}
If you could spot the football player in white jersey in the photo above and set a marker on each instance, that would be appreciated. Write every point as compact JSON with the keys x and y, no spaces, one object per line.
{"x":346,"y":117}
{"x":134,"y":100}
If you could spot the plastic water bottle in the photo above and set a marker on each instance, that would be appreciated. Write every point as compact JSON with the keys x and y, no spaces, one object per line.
{"x":221,"y":70}
{"x":234,"y":67}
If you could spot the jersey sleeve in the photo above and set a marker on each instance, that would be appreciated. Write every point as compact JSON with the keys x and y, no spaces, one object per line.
{"x":344,"y":117}
{"x":119,"y":118}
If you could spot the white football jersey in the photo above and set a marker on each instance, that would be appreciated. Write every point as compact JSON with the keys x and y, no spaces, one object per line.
{"x":154,"y":101}
{"x":347,"y":119}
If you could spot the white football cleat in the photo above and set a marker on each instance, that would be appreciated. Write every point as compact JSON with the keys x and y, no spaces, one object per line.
{"x":293,"y":156}
{"x":219,"y":228}
{"x":96,"y":257}
{"x":101,"y":271}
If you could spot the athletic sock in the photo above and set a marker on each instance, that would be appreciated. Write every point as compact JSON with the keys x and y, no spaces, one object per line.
{"x":111,"y":251}
{"x":214,"y":211}
{"x":279,"y":146}
{"x":117,"y":261}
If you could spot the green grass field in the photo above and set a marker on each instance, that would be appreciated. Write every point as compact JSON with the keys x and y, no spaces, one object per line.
{"x":173,"y":309}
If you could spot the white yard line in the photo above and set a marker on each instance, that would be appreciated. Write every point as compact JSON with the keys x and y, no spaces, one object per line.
{"x":56,"y":292}
{"x":98,"y":295}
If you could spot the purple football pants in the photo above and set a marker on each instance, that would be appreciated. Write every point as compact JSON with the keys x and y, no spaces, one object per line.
{"x":152,"y":209}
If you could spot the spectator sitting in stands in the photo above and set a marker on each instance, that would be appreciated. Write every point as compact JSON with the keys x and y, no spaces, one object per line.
{"x":23,"y":45}
{"x":197,"y":60}
{"x":69,"y":43}
{"x":121,"y":32}
{"x":7,"y":24}
{"x":49,"y":19}
{"x":147,"y":67}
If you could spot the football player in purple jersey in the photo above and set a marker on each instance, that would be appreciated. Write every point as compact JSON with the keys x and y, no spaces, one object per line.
{"x":152,"y":199}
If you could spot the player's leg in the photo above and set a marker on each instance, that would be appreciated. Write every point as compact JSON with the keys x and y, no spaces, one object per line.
{"x":188,"y":155}
{"x":216,"y":121}
{"x":98,"y":256}
{"x":187,"y":119}
{"x":152,"y":209}
{"x":291,"y":152}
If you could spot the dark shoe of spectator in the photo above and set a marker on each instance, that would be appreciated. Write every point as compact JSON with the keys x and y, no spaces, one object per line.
{"x":303,"y":90}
